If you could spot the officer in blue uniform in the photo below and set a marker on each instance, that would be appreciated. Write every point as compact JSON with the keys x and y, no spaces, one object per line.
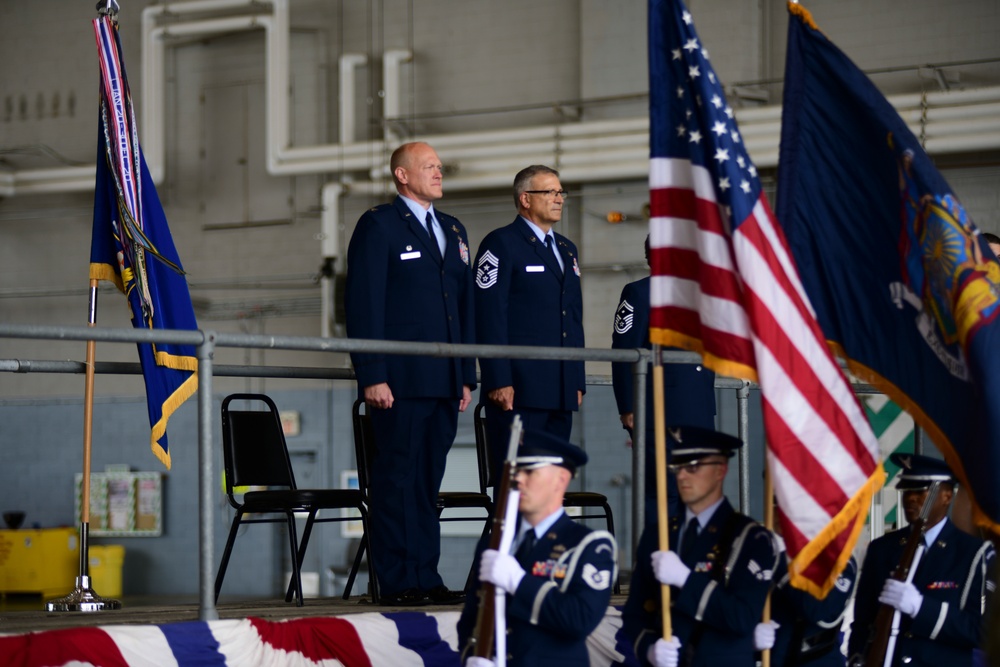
{"x":805,"y":630}
{"x":528,"y":293}
{"x":559,"y":574}
{"x":688,"y":390}
{"x":720,"y":566}
{"x":409,"y":278}
{"x":941,"y":610}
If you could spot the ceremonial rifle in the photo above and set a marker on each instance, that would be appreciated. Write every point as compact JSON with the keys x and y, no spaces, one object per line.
{"x":490,"y":598}
{"x":882,"y":643}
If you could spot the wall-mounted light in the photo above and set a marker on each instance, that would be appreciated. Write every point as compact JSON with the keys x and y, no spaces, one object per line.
{"x":618,"y":217}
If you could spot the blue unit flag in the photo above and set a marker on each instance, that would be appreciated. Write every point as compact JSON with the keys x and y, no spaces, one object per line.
{"x":901,"y":279}
{"x":132,"y":247}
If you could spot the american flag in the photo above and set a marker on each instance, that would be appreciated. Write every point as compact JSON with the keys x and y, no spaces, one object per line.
{"x":724,"y":284}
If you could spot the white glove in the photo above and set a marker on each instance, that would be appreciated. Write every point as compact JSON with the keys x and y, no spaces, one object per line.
{"x":763,"y":635}
{"x":665,"y":653}
{"x":669,"y":569}
{"x":501,"y":570}
{"x":904,"y":597}
{"x":476,"y":661}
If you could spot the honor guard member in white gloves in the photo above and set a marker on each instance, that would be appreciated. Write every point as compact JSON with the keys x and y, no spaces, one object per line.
{"x":941,"y":611}
{"x":803,"y":629}
{"x":720,"y":566}
{"x":528,"y":292}
{"x":559,"y":574}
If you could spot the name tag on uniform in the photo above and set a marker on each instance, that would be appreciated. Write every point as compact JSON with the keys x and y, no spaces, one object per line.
{"x":409,"y":255}
{"x":535,"y":269}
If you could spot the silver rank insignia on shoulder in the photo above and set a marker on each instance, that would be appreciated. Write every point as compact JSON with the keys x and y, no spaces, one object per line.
{"x":487,"y":271}
{"x":758,"y":572}
{"x":623,"y":317}
{"x":599,"y":580}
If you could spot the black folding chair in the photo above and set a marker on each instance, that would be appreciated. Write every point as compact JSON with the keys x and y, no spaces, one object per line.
{"x":583,"y":499}
{"x":256,"y":455}
{"x":366,"y":448}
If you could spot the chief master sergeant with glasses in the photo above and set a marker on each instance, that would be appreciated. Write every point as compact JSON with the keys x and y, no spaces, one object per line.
{"x":719,"y":567}
{"x":528,"y":293}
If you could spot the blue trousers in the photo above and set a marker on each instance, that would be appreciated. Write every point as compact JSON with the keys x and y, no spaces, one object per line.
{"x":413,"y":438}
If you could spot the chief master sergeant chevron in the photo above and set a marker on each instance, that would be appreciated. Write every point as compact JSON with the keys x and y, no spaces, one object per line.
{"x":408,"y":278}
{"x":559,"y":573}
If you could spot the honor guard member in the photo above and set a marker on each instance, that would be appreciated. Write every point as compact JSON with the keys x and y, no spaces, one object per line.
{"x":559,"y":573}
{"x":803,"y":629}
{"x":528,"y":293}
{"x":720,"y":566}
{"x":688,"y":389}
{"x":409,"y":278}
{"x":941,"y":611}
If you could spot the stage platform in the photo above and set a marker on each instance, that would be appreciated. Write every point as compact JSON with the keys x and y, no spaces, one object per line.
{"x":325,"y":631}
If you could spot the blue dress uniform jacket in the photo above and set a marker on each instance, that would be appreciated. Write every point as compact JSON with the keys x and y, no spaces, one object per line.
{"x":688,"y":390}
{"x":562,"y":598}
{"x":524,"y":298}
{"x":397,"y":289}
{"x":400,"y":287}
{"x":728,"y":608}
{"x":952,"y":577}
{"x":805,"y":619}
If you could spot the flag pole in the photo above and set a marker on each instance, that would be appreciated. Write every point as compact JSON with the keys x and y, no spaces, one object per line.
{"x":83,"y":597}
{"x":660,"y":435}
{"x":765,"y":655}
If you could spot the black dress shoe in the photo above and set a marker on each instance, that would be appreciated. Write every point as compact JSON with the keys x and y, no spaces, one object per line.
{"x":441,"y":595}
{"x":411,"y":597}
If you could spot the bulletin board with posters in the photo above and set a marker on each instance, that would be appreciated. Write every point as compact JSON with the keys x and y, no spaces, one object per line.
{"x":123,"y":504}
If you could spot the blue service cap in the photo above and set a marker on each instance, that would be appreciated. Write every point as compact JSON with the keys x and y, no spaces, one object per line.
{"x":540,"y":448}
{"x":689,"y":443}
{"x":917,"y":472}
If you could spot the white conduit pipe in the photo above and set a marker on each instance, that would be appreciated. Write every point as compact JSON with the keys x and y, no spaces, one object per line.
{"x":759,"y":126}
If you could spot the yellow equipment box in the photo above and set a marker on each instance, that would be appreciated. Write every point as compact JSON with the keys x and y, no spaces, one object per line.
{"x":106,"y":569}
{"x":45,"y":561}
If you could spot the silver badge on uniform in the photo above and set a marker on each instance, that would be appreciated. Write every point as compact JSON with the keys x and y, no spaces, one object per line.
{"x":487,"y":271}
{"x":623,"y":317}
{"x":599,"y":580}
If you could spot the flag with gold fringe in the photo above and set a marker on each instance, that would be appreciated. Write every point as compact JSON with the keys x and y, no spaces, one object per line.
{"x":131,"y":244}
{"x":724,"y":284}
{"x":901,"y":279}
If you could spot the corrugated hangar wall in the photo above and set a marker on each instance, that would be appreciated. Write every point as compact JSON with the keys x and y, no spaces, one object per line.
{"x":253,"y":242}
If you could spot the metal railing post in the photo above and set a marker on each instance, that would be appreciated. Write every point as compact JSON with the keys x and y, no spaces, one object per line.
{"x":206,"y":481}
{"x":640,"y":371}
{"x":743,"y":418}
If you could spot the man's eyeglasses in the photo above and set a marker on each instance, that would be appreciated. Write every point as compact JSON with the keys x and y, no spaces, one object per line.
{"x":551,"y":193}
{"x":692,"y":467}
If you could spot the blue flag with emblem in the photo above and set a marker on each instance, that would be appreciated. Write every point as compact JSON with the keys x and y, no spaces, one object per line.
{"x":901,"y":279}
{"x":131,"y":244}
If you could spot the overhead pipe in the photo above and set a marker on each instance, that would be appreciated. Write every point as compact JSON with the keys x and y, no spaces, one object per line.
{"x":475,"y":153}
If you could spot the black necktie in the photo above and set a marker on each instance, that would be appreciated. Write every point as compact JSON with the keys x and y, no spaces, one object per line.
{"x":430,"y":233}
{"x":523,"y":554}
{"x":687,"y":542}
{"x":548,"y":244}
